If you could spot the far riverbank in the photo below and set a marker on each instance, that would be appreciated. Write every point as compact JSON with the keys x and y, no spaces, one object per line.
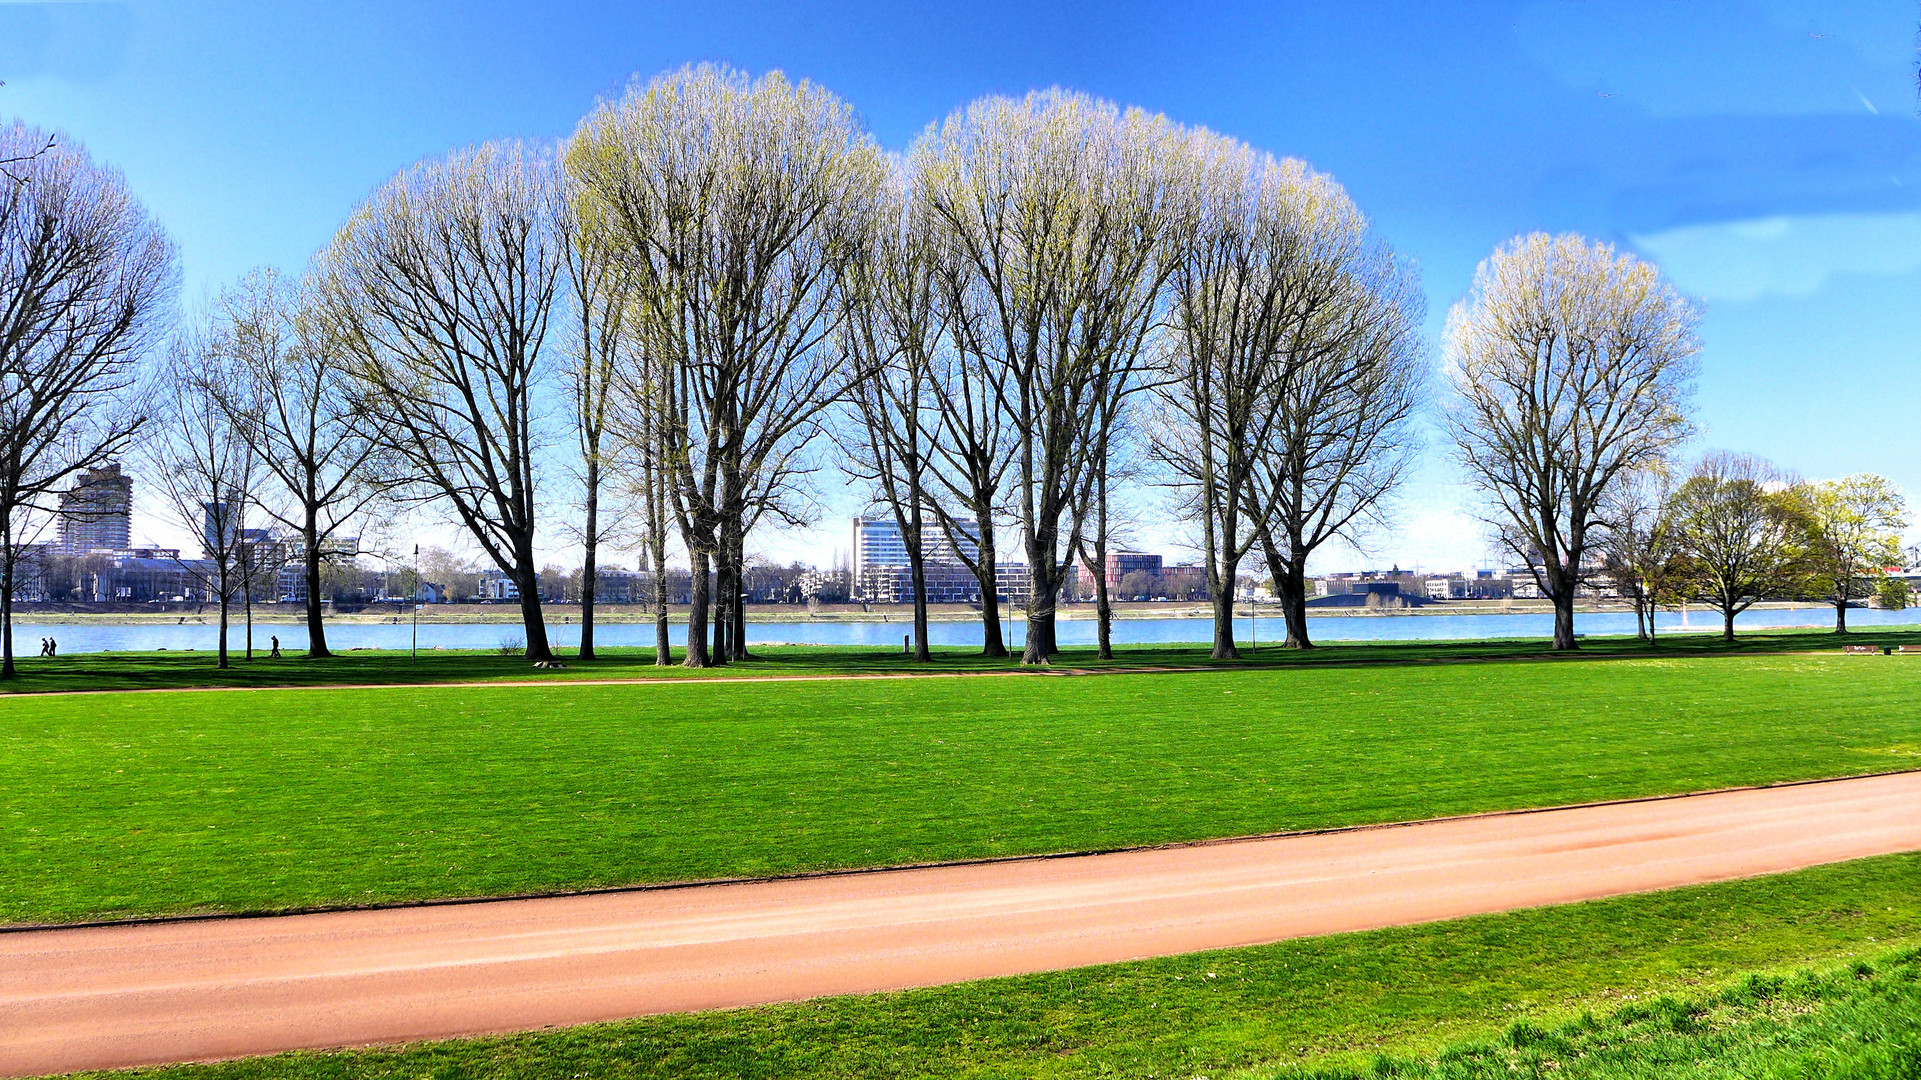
{"x":27,"y":615}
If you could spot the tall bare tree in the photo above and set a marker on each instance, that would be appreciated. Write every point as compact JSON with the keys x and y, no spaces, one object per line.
{"x":1054,"y":207}
{"x":970,"y":448}
{"x":1744,"y":535}
{"x":207,"y":470}
{"x":85,"y":277}
{"x":291,"y":392}
{"x":442,"y":288}
{"x":1293,"y":370}
{"x":1352,"y":373}
{"x":893,"y":332}
{"x":1856,"y":524}
{"x":601,"y":294}
{"x":738,"y":205}
{"x":1571,"y":365}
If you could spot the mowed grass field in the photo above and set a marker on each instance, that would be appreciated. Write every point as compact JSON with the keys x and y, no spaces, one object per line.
{"x":139,"y":804}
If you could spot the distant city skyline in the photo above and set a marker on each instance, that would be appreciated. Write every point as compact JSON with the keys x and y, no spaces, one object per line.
{"x":1765,"y":154}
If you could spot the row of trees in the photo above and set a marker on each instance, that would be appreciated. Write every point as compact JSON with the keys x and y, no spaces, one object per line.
{"x":1736,"y":530}
{"x":720,"y":287}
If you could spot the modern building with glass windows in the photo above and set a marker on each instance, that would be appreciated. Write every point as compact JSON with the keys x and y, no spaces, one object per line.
{"x":882,"y":576}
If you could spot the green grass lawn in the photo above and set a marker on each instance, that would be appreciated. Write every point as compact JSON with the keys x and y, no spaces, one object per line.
{"x":178,"y":670}
{"x":114,"y":805}
{"x":1671,"y":975}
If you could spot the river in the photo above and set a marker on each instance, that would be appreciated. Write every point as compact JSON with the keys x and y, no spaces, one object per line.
{"x":84,"y":637}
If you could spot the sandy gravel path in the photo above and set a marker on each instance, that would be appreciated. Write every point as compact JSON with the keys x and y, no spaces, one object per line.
{"x":107,"y":996}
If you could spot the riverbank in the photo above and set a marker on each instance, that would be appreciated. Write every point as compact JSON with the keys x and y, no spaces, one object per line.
{"x":29,"y":615}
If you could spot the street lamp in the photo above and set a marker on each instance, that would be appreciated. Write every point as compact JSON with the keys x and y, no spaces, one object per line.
{"x":416,"y":656}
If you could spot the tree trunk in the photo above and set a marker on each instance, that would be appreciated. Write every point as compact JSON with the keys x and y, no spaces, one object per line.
{"x":917,"y":571}
{"x":1841,"y":609}
{"x":225,"y":600}
{"x":316,"y":625}
{"x":663,"y":591}
{"x":587,"y":568}
{"x":1727,"y":624}
{"x":6,"y":620}
{"x":697,"y":606}
{"x":1564,"y":619}
{"x":1290,"y":581}
{"x":1043,"y":591}
{"x":724,"y":590}
{"x":738,"y":557}
{"x":1104,"y":614}
{"x":1223,"y":602}
{"x":993,"y":644}
{"x":663,"y":638}
{"x":531,"y":615}
{"x":1103,"y":609}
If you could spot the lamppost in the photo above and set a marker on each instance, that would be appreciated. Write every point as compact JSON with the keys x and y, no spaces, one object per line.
{"x":416,"y":656}
{"x":1253,"y":625}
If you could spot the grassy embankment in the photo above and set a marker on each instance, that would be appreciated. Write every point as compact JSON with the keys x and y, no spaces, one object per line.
{"x":138,"y":804}
{"x":1662,"y":984}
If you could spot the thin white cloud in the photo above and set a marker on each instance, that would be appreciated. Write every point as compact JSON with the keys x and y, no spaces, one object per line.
{"x":1784,"y":256}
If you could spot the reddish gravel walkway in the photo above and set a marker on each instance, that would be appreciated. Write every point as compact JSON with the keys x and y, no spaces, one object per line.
{"x":101,"y":997}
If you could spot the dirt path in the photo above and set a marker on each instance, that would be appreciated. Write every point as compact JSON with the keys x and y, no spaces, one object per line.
{"x":102,"y":997}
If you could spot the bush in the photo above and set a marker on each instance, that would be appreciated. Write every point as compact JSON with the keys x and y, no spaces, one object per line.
{"x":514,"y":645}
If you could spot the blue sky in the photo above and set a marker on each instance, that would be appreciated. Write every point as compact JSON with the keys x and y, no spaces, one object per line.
{"x":1766,"y":153}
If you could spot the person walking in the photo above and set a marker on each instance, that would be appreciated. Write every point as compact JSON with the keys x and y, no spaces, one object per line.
{"x":53,"y":646}
{"x":43,"y":647}
{"x":275,"y":655}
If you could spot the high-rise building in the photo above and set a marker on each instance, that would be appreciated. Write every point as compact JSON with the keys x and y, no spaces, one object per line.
{"x":881,"y":573}
{"x":96,"y":513}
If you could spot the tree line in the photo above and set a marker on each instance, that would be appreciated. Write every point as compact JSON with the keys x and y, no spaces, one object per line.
{"x":719,"y":295}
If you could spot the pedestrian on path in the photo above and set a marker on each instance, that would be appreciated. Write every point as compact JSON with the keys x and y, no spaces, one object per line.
{"x":275,"y":655}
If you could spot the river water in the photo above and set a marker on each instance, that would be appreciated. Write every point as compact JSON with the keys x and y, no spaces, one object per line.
{"x":95,"y":637}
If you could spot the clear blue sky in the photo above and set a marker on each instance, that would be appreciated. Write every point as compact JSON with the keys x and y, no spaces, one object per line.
{"x":1767,"y":153}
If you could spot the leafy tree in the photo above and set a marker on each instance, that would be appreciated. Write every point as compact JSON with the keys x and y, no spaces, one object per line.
{"x":1855,"y":525}
{"x":1893,"y":594}
{"x":1744,"y":535}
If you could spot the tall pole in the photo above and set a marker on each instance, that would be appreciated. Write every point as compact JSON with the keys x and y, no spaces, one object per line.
{"x":416,"y":656}
{"x":1253,"y":625}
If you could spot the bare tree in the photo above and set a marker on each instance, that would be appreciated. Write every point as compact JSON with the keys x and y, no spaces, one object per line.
{"x":1571,"y":365}
{"x":970,"y":449}
{"x":1352,"y":374}
{"x":642,"y":408}
{"x":1855,"y":524}
{"x":291,"y":392}
{"x":441,"y":288}
{"x":207,"y":471}
{"x":1293,"y":369}
{"x":1054,"y":208}
{"x":893,"y":331}
{"x":84,"y":278}
{"x":738,"y":205}
{"x":1743,"y":533}
{"x":1641,"y":544}
{"x":600,"y":293}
